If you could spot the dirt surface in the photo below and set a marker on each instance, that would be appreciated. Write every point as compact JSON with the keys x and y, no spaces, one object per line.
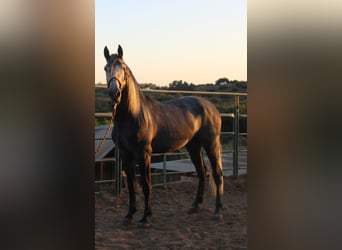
{"x":171,"y":225}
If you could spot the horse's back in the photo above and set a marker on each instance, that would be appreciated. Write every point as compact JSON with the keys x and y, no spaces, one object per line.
{"x":198,"y":107}
{"x":176,"y":122}
{"x":194,"y":104}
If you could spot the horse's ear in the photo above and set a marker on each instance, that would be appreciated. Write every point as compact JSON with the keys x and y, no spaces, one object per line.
{"x":120,"y":52}
{"x":106,"y":53}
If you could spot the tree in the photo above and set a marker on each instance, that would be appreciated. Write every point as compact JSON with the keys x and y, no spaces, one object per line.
{"x":180,"y":85}
{"x":147,"y":86}
{"x":222,"y":81}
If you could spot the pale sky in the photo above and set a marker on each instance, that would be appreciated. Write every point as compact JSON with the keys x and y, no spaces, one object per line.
{"x":197,"y":41}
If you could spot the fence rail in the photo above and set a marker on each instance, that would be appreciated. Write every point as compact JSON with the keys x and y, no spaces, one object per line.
{"x":117,"y":178}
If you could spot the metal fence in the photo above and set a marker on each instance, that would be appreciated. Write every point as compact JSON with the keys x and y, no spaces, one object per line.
{"x":117,"y":176}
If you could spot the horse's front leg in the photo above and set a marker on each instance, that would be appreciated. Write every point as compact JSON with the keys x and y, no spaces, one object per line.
{"x":145,"y":171}
{"x":129,"y":168}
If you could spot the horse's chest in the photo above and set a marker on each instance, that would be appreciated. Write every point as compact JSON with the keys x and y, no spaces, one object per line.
{"x":131,"y":141}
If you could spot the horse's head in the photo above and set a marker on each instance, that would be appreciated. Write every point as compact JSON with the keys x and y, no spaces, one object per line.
{"x":115,"y":74}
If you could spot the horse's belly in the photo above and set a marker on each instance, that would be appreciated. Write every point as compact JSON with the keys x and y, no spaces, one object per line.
{"x":166,"y":144}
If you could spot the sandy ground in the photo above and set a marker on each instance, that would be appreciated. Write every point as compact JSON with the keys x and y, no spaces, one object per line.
{"x":171,"y":225}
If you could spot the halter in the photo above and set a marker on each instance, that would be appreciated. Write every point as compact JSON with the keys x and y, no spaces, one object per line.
{"x":120,"y":84}
{"x":114,"y":77}
{"x":115,"y":104}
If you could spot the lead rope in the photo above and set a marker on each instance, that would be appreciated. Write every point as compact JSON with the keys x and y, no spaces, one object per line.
{"x":99,"y":147}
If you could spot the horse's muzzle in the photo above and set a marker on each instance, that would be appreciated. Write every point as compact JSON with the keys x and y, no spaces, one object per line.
{"x":115,"y":96}
{"x":114,"y":90}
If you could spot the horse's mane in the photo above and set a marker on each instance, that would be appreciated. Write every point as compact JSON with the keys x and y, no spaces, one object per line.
{"x":136,"y":99}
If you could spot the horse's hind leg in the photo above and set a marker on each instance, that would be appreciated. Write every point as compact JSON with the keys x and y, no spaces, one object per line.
{"x":213,"y":149}
{"x":146,"y":185}
{"x":194,"y":148}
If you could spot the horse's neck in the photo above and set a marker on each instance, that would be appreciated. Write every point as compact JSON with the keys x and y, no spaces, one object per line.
{"x":133,"y":99}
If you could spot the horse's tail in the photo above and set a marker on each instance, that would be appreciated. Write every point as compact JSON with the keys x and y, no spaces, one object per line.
{"x":219,"y":176}
{"x":212,"y":184}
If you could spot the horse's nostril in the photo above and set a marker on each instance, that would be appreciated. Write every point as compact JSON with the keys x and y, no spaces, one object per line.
{"x":115,"y":94}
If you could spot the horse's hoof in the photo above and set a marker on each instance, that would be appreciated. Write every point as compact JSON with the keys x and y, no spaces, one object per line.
{"x":218,"y":216}
{"x":127,"y":221}
{"x":193,"y":210}
{"x":144,"y":225}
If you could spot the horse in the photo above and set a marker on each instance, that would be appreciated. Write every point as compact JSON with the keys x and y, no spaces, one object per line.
{"x":144,"y":126}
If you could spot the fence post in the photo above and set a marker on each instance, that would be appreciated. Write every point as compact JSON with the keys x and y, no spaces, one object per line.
{"x":164,"y":170}
{"x":236,"y":138}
